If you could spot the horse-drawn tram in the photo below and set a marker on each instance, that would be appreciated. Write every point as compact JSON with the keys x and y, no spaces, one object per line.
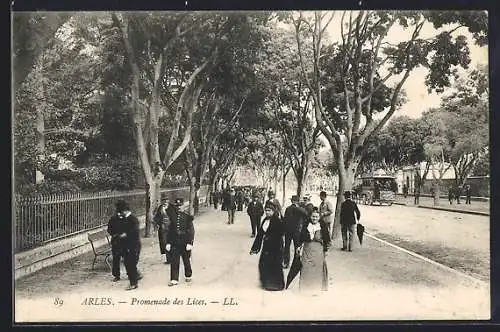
{"x":376,"y":188}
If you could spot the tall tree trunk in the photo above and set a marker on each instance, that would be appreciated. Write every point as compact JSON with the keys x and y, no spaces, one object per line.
{"x":153,"y":197}
{"x":40,"y":133}
{"x":437,"y":191}
{"x":285,"y":173}
{"x":301,"y":177}
{"x":192,"y":195}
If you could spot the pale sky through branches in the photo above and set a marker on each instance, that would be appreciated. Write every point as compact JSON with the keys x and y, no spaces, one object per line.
{"x":418,"y":98}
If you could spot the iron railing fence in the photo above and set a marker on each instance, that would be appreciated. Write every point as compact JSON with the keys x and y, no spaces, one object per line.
{"x":45,"y":218}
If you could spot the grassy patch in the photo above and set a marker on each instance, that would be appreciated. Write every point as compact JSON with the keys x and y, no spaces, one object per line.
{"x":466,"y":261}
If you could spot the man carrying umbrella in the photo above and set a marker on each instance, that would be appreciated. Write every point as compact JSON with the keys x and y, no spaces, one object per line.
{"x":349,"y":214}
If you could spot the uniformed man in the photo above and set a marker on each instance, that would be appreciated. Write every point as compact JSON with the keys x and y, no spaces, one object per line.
{"x":180,"y":239}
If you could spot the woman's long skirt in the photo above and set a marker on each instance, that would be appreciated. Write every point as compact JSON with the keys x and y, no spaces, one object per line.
{"x":314,"y":272}
{"x":271,"y":271}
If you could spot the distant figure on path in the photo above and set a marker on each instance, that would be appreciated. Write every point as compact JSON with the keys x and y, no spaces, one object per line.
{"x":349,"y":214}
{"x":294,"y":219}
{"x":467,"y":194}
{"x":269,"y":241}
{"x":405,"y":190}
{"x":180,"y":242}
{"x":230,"y":204}
{"x":255,"y":211}
{"x":326,"y":211}
{"x":132,"y":243}
{"x":315,"y":242}
{"x":417,"y":194}
{"x":451,"y":194}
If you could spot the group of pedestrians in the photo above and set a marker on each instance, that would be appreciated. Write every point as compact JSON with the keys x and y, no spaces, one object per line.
{"x":175,"y":238}
{"x":454,"y":193}
{"x":309,"y":229}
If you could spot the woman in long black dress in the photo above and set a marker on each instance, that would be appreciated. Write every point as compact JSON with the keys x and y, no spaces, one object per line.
{"x":270,"y":239}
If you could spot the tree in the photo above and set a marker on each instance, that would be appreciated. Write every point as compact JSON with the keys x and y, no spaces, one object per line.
{"x":399,"y":143}
{"x":59,"y":94}
{"x":359,"y":83}
{"x":469,"y":130}
{"x":33,"y":33}
{"x":150,"y":39}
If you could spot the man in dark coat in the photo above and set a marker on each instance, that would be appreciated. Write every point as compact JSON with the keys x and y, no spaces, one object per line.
{"x":180,"y":240}
{"x":271,"y":198}
{"x":416,"y":193}
{"x":294,"y":219}
{"x":467,"y":194}
{"x":231,"y":206}
{"x":349,"y":214}
{"x":308,"y":205}
{"x":255,"y":211}
{"x":162,"y":221}
{"x":115,"y":228}
{"x":131,"y":243}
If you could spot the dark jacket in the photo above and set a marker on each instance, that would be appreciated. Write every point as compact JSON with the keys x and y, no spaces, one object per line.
{"x":309,"y":207}
{"x":116,"y":226}
{"x":132,"y":240}
{"x":230,"y":202}
{"x":255,"y":209}
{"x":181,"y":228}
{"x":325,"y":236}
{"x":347,"y":210}
{"x":295,"y":217}
{"x":270,"y":241}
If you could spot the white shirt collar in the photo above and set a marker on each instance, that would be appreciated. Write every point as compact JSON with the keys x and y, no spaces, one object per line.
{"x":312,"y":228}
{"x":126,"y":214}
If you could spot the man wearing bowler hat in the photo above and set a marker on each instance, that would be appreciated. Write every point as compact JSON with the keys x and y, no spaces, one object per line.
{"x":131,"y":243}
{"x":349,"y":214}
{"x":180,"y":237}
{"x":294,"y":219}
{"x":255,"y":211}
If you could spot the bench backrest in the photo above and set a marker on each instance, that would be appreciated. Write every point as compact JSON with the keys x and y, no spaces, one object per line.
{"x":98,"y":236}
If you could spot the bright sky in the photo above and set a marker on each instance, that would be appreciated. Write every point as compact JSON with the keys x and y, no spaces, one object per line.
{"x":418,"y":98}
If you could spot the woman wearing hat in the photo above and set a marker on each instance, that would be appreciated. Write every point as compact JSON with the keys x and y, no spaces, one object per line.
{"x":269,"y":241}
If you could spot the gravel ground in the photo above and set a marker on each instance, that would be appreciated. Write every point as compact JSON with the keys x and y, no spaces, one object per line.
{"x":374,"y":282}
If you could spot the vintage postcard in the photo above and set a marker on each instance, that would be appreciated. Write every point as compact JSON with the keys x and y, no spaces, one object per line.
{"x":180,"y":166}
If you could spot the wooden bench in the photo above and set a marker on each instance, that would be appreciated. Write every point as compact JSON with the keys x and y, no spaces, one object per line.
{"x":101,"y":251}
